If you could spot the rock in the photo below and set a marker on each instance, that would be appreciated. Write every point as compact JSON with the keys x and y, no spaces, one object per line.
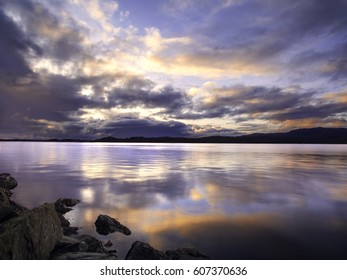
{"x":18,"y":208}
{"x":32,"y":235}
{"x":86,"y":256}
{"x":185,"y":253}
{"x":105,"y":225}
{"x":63,"y":221}
{"x":93,"y":244}
{"x":6,"y":209}
{"x":68,"y":245}
{"x":70,"y":230}
{"x":63,"y":205}
{"x":70,"y":202}
{"x":85,"y":247}
{"x":109,"y":243}
{"x":143,"y":251}
{"x":7,"y":181}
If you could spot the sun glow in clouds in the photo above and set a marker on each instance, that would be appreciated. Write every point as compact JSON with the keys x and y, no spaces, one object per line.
{"x":222,"y":67}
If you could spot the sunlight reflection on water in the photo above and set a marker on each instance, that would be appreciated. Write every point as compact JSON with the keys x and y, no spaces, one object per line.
{"x":228,"y":200}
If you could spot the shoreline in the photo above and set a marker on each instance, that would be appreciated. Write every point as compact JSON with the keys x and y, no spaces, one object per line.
{"x":43,"y":233}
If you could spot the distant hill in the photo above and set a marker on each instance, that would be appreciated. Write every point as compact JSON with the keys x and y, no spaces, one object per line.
{"x":317,"y":135}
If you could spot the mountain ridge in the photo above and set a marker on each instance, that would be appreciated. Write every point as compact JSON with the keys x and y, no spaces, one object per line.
{"x":303,"y":135}
{"x":315,"y":135}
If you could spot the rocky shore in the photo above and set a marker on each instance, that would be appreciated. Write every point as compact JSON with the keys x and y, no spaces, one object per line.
{"x":44,"y":233}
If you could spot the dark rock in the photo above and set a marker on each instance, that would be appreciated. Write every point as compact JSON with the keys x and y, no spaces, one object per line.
{"x":86,"y":256}
{"x":85,"y":247}
{"x":185,"y":253}
{"x":32,"y":235}
{"x":63,"y":205}
{"x":93,"y":244}
{"x":63,"y":221}
{"x":19,"y":209}
{"x":70,"y":230}
{"x":7,"y":181}
{"x":68,"y":245}
{"x":69,"y":202}
{"x":109,"y":243}
{"x":143,"y":251}
{"x":105,"y":225}
{"x":6,"y":209}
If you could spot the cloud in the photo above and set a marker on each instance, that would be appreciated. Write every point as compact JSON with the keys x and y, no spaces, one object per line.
{"x":14,"y":45}
{"x":74,"y":69}
{"x":246,"y":105}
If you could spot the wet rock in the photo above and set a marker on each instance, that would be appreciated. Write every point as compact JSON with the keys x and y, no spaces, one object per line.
{"x":70,"y":230}
{"x":32,"y":235}
{"x":143,"y":251}
{"x":86,"y":256}
{"x":93,"y":244}
{"x":63,"y":221}
{"x":63,"y":205}
{"x":185,"y":253}
{"x":7,"y":181}
{"x":105,"y":225}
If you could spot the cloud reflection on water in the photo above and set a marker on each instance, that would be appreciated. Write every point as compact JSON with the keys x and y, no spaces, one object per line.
{"x":233,"y":201}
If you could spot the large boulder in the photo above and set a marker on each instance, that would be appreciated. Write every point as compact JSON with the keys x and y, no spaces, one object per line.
{"x":143,"y":251}
{"x":32,"y":235}
{"x":106,"y":224}
{"x":7,"y":181}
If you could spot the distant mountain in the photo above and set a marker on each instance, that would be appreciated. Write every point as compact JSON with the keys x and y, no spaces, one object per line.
{"x":317,"y":135}
{"x":305,"y":135}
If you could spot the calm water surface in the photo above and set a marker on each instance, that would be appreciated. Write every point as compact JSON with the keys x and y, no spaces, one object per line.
{"x":231,"y":201}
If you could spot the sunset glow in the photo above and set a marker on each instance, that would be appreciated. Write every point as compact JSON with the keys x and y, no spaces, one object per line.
{"x":123,"y":68}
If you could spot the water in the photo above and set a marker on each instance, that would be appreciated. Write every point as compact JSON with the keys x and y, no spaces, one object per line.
{"x":231,"y":201}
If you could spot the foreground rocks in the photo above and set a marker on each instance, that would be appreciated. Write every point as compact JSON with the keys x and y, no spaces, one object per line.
{"x":143,"y":251}
{"x":32,"y":235}
{"x":44,"y":233}
{"x":106,"y":224}
{"x":85,"y":247}
{"x":7,"y":181}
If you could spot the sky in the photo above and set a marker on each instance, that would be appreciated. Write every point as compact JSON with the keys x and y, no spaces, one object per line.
{"x":96,"y":68}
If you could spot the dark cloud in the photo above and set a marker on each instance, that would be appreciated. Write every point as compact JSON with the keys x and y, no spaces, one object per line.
{"x":320,"y":111}
{"x":306,"y":40}
{"x":56,"y":41}
{"x":146,"y":128}
{"x":13,"y":45}
{"x":122,"y":128}
{"x":238,"y":100}
{"x":168,"y":98}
